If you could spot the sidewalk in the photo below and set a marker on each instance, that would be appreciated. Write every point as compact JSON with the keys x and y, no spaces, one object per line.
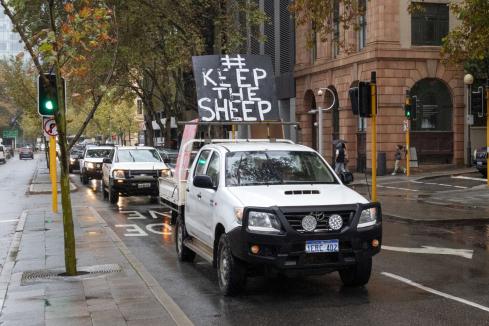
{"x":359,"y":178}
{"x":116,"y":291}
{"x":41,"y":181}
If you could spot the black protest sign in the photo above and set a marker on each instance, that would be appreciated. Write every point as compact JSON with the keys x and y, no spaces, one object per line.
{"x":235,"y":88}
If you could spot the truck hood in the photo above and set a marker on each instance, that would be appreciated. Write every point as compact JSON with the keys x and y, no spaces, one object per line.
{"x":139,"y":166}
{"x":274,"y":195}
{"x":94,"y":160}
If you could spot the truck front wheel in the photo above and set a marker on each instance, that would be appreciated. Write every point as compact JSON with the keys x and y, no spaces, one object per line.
{"x":231,"y":272}
{"x":358,"y":274}
{"x":183,"y":253}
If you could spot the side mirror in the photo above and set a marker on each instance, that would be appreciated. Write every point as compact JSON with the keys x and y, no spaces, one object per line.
{"x":107,"y":160}
{"x":166,"y":160}
{"x":346,"y":177}
{"x":203,"y":181}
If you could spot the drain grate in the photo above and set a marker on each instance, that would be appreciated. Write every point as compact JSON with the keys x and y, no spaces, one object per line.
{"x":57,"y":274}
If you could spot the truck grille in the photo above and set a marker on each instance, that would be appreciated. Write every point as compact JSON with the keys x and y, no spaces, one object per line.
{"x":295,"y":220}
{"x":147,"y":173}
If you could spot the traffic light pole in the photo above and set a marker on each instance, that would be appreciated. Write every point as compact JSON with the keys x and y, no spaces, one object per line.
{"x":373,"y":92}
{"x":408,"y":154}
{"x":53,"y":172}
{"x":487,"y":128}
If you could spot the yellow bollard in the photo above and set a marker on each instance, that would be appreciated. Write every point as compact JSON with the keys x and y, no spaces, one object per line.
{"x":52,"y":172}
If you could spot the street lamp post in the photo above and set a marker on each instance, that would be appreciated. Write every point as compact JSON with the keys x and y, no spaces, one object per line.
{"x":468,"y":81}
{"x":319,"y":111}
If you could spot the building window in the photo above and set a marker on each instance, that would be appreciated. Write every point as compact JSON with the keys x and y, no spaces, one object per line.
{"x":429,"y":24}
{"x":362,"y":32}
{"x":314,"y":41}
{"x":336,"y":28}
{"x":433,"y":106}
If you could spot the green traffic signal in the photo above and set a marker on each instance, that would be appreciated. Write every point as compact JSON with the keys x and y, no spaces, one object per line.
{"x":49,"y":105}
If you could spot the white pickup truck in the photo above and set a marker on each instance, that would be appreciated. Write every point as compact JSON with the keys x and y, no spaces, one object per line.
{"x":271,"y":207}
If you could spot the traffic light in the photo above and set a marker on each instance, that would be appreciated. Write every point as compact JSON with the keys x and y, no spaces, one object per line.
{"x":47,"y":95}
{"x":478,"y":104}
{"x":361,"y":100}
{"x":408,"y":106}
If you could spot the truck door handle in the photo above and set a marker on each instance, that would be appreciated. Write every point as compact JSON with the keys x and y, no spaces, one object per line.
{"x":199,"y":196}
{"x":211,"y":202}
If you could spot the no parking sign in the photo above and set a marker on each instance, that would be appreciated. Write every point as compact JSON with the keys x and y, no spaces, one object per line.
{"x":49,"y":127}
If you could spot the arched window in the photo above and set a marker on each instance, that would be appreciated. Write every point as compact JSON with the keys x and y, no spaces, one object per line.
{"x":433,"y":106}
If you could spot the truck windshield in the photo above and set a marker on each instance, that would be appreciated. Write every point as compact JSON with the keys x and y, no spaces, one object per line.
{"x":276,"y":167}
{"x":138,"y":155}
{"x":98,"y":153}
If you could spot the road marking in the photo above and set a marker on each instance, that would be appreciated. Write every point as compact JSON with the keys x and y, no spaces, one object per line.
{"x":154,"y":214}
{"x":430,"y":290}
{"x":388,"y":187}
{"x":9,"y":221}
{"x":468,"y":178}
{"x":438,"y":184}
{"x":133,"y":229}
{"x":134,"y":215}
{"x":164,"y":226}
{"x":465,"y":253}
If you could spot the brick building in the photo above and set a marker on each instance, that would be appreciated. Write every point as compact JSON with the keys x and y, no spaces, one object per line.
{"x":404,"y":50}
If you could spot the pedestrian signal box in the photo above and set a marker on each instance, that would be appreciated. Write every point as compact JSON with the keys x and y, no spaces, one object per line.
{"x":478,"y":102}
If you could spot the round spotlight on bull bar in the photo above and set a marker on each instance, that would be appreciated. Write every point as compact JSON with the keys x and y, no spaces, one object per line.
{"x":335,"y":222}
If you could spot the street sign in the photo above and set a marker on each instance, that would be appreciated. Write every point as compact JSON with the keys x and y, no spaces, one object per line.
{"x":49,"y":127}
{"x":470,"y":119}
{"x":13,"y":133}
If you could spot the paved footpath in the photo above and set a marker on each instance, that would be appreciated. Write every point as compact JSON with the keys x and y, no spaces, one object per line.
{"x":32,"y":293}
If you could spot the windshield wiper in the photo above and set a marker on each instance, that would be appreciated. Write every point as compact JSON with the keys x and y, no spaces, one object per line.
{"x":133,"y":159}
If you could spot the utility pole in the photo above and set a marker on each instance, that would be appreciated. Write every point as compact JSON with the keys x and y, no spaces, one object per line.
{"x":373,"y":94}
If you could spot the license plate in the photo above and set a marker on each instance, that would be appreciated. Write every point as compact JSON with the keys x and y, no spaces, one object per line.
{"x":313,"y":246}
{"x":144,"y":185}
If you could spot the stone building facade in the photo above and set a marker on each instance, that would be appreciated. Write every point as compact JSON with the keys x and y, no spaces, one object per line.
{"x":404,"y":51}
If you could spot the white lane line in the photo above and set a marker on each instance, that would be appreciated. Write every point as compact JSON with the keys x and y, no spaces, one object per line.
{"x":468,"y":178}
{"x":438,"y":184}
{"x":465,"y":253}
{"x":9,"y":221}
{"x":397,"y":188}
{"x":433,"y":291}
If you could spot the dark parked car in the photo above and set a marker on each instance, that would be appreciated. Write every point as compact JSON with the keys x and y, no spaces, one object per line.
{"x":75,"y":155}
{"x":26,"y":152}
{"x":480,"y":160}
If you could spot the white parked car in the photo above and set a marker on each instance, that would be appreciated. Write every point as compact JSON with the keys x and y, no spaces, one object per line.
{"x":272,"y":207}
{"x":132,"y":171}
{"x":91,"y":162}
{"x":3,"y":155}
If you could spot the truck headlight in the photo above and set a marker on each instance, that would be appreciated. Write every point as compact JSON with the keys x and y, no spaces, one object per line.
{"x":263,"y":222}
{"x":368,"y":217}
{"x":165,"y":173}
{"x":90,"y":165}
{"x":119,"y":174}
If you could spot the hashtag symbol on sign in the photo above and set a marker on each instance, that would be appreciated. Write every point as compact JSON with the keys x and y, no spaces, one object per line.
{"x":229,"y":62}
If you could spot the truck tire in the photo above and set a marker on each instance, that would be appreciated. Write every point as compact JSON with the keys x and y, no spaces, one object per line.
{"x":84,"y":178}
{"x":231,"y":272}
{"x":105,"y":194}
{"x":113,"y":196}
{"x":358,"y":274}
{"x":183,"y":253}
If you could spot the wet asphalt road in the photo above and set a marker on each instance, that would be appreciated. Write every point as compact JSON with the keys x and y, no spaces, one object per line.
{"x":315,"y":300}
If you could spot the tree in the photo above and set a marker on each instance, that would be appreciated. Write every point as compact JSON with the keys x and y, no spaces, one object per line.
{"x":64,"y":37}
{"x":468,"y":42}
{"x":320,"y":14}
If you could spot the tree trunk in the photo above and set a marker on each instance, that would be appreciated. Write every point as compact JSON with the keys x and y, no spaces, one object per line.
{"x":168,"y":140}
{"x":69,"y":234}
